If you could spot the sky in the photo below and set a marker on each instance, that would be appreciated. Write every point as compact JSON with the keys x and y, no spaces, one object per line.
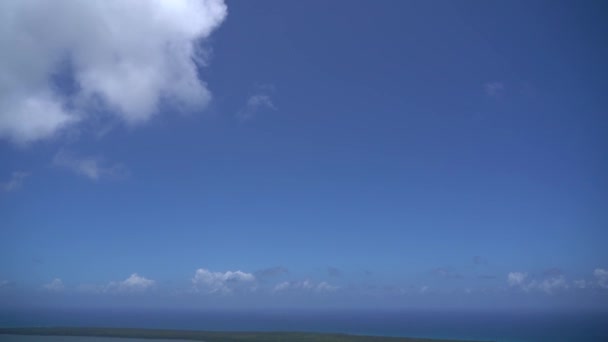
{"x":303,"y":154}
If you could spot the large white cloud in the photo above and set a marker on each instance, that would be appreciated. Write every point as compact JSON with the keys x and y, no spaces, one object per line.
{"x":220,"y":282}
{"x":126,"y":56}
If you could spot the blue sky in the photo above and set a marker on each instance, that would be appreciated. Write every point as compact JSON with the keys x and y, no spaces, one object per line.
{"x":304,"y":154}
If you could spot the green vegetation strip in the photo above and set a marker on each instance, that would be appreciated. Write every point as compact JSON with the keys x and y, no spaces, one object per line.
{"x":208,"y":336}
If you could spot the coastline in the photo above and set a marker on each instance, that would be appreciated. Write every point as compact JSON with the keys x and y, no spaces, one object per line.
{"x":209,"y":336}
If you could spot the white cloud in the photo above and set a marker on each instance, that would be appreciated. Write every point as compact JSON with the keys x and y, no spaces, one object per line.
{"x":602,"y":277}
{"x":14,"y":182}
{"x":56,"y":285}
{"x":306,"y":285}
{"x":135,"y":283}
{"x":516,"y":278}
{"x":218,"y":282}
{"x":494,"y":89}
{"x":127,"y":56}
{"x":91,"y":167}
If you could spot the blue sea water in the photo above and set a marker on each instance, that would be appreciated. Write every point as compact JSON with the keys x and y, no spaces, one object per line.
{"x":21,"y":338}
{"x":486,"y":326}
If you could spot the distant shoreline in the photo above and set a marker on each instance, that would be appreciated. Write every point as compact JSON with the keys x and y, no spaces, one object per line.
{"x":209,"y":336}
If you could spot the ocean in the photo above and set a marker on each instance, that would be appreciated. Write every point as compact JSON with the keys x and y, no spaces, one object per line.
{"x":487,"y":326}
{"x":19,"y":338}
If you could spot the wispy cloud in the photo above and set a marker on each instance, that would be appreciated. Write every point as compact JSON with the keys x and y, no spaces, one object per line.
{"x":516,"y":278}
{"x":479,"y":260}
{"x":271,"y":272}
{"x":126,"y":74}
{"x":552,"y":282}
{"x":601,"y":275}
{"x":553,"y":272}
{"x":93,"y":168}
{"x":494,"y":89}
{"x":16,"y":180}
{"x":5,"y":284}
{"x":550,"y":285}
{"x":261,"y":100}
{"x":446,"y":272}
{"x":334,"y":272}
{"x":581,"y":284}
{"x":305,"y":285}
{"x":56,"y":285}
{"x":486,"y":276}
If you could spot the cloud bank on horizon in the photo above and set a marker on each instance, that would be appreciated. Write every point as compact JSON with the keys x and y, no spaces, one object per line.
{"x":226,"y":284}
{"x":119,"y":58}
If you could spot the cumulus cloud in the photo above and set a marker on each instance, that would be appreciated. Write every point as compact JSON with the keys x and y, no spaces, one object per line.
{"x":14,"y":182}
{"x":123,"y":56}
{"x":516,"y":278}
{"x":93,"y":168}
{"x":218,"y":282}
{"x":601,"y":275}
{"x":259,"y":101}
{"x":305,"y":285}
{"x":56,"y":285}
{"x":134,"y":283}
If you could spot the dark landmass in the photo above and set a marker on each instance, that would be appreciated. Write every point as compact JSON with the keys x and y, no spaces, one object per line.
{"x":209,"y":336}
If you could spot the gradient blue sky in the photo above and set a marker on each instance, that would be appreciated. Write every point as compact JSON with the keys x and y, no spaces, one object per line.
{"x":350,"y":154}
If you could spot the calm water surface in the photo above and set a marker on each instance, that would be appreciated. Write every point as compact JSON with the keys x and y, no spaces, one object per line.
{"x":487,"y":326}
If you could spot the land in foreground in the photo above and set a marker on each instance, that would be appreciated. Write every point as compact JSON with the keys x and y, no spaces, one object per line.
{"x":209,"y":336}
